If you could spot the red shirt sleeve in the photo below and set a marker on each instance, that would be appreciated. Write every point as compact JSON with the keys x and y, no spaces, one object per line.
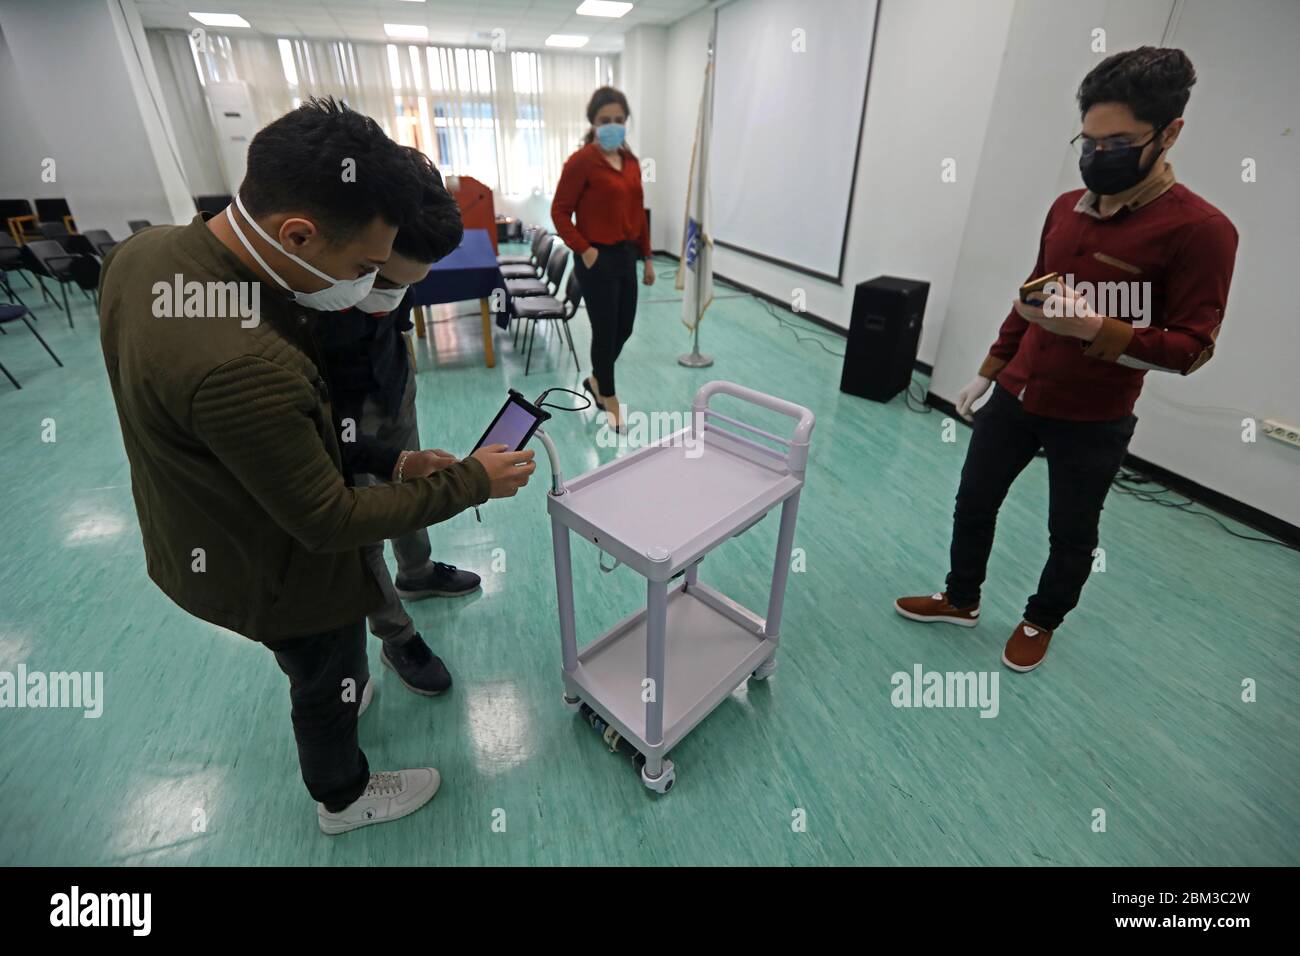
{"x":1013,"y":327}
{"x":573,"y":180}
{"x":1195,"y":295}
{"x":644,"y":240}
{"x":643,"y":235}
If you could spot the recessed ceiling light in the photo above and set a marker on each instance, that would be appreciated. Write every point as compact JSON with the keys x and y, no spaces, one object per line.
{"x":566,"y":39}
{"x":221,"y":20}
{"x":602,"y":8}
{"x":406,"y":31}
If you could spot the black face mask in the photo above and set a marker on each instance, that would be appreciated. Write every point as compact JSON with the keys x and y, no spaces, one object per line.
{"x":1111,"y":171}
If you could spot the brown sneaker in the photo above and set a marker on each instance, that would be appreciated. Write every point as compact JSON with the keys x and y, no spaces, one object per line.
{"x":935,"y":607}
{"x":1027,"y":647}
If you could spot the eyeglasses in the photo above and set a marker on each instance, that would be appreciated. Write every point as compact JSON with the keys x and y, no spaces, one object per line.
{"x":1086,"y":145}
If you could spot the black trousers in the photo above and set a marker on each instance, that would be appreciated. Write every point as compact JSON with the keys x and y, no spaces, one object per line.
{"x":324,"y":724}
{"x":1082,"y":460}
{"x":609,"y":289}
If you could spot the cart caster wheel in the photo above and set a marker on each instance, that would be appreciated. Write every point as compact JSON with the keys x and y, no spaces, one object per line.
{"x":664,"y":782}
{"x":573,"y":703}
{"x":764,"y":670}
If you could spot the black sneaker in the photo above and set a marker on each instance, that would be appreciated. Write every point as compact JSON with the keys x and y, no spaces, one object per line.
{"x":416,"y":666}
{"x":441,"y":580}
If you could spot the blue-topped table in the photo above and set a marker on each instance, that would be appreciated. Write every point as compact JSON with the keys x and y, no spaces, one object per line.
{"x":470,"y":271}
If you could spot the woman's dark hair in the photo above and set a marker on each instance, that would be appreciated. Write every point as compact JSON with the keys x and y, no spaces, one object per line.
{"x":436,"y":228}
{"x":599,"y":100}
{"x":1153,"y":82}
{"x":334,"y":164}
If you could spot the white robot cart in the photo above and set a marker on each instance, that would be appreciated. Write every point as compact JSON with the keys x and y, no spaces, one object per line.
{"x":656,"y":674}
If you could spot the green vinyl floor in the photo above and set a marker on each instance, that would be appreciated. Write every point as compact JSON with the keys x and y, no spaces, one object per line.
{"x":1136,"y":720}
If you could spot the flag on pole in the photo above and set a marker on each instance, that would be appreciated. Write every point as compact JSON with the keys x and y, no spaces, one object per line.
{"x":695,"y":277}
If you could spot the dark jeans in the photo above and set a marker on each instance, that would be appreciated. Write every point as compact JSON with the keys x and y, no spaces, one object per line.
{"x":324,"y":725}
{"x":609,"y":289}
{"x":391,"y":623}
{"x":1082,"y":459}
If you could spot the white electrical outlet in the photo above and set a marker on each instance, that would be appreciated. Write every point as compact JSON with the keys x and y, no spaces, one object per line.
{"x":1282,"y":431}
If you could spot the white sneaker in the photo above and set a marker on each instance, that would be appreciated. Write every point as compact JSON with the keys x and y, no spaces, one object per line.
{"x":389,"y":796}
{"x":367,"y":695}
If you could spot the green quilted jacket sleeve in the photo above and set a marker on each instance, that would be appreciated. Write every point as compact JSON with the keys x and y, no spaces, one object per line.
{"x":262,"y":421}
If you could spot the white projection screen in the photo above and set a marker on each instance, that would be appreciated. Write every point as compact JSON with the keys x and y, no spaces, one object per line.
{"x":786,"y":127}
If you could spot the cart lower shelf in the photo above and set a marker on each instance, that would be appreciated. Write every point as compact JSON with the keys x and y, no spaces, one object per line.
{"x":712,"y":644}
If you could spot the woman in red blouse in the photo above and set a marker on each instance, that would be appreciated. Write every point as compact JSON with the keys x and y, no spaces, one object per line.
{"x":601,"y":183}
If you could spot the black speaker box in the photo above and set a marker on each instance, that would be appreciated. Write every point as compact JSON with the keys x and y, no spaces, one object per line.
{"x":884,"y":332}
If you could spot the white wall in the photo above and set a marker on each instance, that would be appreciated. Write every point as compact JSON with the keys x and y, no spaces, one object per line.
{"x":931,"y":89}
{"x":531,"y":209}
{"x":187,"y":111}
{"x":641,"y":68}
{"x":79,"y":84}
{"x":23,"y":146}
{"x":133,"y":47}
{"x":1242,"y":105}
{"x":685,"y":55}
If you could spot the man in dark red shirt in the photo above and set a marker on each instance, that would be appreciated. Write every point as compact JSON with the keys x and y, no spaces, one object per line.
{"x":1145,"y":266}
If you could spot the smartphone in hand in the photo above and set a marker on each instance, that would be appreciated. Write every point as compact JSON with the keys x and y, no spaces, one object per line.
{"x":1031,"y":293}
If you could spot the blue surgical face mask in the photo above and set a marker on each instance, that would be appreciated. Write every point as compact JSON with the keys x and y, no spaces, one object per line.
{"x":340,"y":294}
{"x":611,"y":135}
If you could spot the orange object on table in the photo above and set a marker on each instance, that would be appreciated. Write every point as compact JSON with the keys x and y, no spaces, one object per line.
{"x":476,"y":207}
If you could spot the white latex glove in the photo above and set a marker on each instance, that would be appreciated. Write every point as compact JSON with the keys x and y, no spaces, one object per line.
{"x":969,"y":395}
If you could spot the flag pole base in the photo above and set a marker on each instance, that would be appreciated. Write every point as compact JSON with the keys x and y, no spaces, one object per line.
{"x":695,"y":360}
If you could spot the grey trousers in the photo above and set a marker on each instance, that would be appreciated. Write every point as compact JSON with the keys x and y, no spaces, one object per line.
{"x":391,"y":623}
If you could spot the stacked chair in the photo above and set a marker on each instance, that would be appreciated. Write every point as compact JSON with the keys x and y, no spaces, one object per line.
{"x":534,"y":282}
{"x":44,"y":242}
{"x":540,"y":308}
{"x":17,"y":312}
{"x":523,"y":260}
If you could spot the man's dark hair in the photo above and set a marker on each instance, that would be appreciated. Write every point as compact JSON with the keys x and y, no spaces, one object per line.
{"x":1153,"y":82}
{"x":300,"y":162}
{"x":435,"y":228}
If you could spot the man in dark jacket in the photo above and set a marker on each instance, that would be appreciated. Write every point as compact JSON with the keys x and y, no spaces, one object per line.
{"x":371,"y":377}
{"x":207,"y":333}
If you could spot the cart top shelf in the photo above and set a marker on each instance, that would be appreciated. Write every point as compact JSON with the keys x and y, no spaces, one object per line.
{"x":664,"y":505}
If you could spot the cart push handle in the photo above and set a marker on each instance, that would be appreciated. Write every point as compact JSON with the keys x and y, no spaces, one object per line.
{"x":796,"y":445}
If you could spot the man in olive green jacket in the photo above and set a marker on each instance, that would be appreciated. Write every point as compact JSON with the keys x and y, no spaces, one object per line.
{"x":207,"y":333}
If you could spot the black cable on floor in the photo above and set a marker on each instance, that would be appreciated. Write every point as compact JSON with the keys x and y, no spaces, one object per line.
{"x":920,"y":406}
{"x":909,"y":397}
{"x":810,"y":336}
{"x":1126,"y":482}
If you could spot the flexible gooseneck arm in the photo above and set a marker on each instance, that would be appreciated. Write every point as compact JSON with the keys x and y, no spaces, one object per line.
{"x":557,"y":478}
